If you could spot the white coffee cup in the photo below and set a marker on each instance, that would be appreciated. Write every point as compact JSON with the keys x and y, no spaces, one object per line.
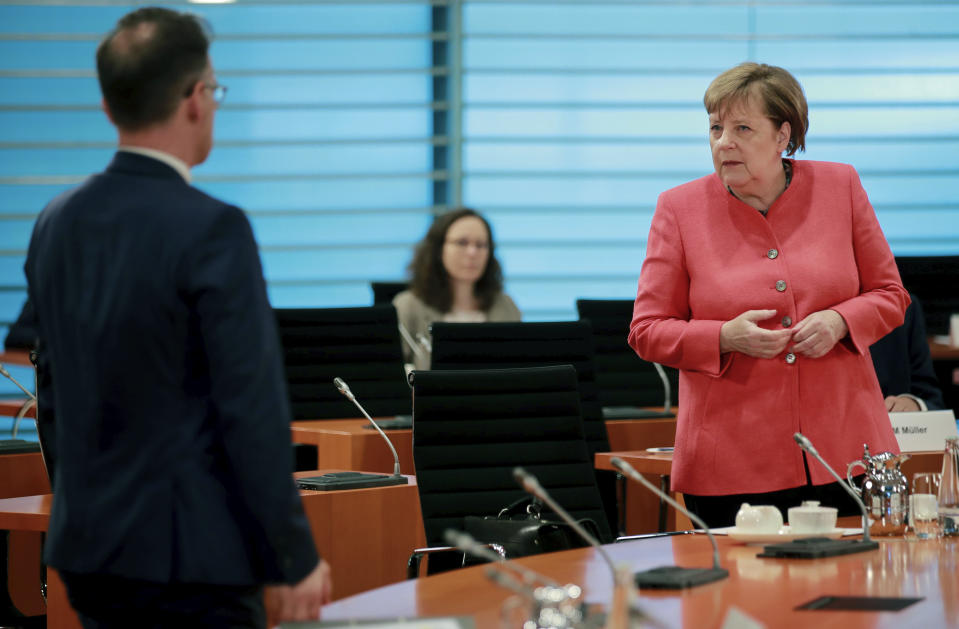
{"x":954,"y":330}
{"x":759,"y":519}
{"x":812,"y":518}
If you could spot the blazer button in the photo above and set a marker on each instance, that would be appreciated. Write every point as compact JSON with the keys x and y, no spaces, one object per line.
{"x":772,"y":254}
{"x":790,"y":358}
{"x":787,"y":321}
{"x":781,"y":285}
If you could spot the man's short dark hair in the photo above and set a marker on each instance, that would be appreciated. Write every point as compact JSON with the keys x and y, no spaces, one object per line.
{"x":148,"y":62}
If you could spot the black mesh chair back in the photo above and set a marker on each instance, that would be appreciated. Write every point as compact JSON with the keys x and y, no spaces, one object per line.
{"x":360,"y":345}
{"x":933,"y":279}
{"x":384,"y":292}
{"x":624,"y":379}
{"x":526,"y":344}
{"x":472,"y":427}
{"x":532,"y":344}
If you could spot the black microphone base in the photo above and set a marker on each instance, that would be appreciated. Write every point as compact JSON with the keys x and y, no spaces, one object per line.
{"x":349,"y":480}
{"x":676,"y":578}
{"x":817,"y":547}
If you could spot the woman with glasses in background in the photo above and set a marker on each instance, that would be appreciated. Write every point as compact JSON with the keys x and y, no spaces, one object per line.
{"x":455,"y":277}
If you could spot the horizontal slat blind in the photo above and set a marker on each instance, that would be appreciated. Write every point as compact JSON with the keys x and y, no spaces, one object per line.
{"x":578,"y":114}
{"x":326,"y":138}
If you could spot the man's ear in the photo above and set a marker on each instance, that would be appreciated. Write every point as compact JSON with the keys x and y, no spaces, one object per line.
{"x":106,"y":110}
{"x":192,"y":103}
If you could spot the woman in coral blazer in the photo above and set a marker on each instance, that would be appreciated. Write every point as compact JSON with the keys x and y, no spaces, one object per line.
{"x":765,"y":283}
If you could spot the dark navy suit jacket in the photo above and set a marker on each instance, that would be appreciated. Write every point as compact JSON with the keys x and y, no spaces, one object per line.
{"x":903,"y":363}
{"x":173,"y":438}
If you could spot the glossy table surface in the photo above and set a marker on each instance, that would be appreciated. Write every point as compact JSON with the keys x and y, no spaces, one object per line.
{"x":767,"y":590}
{"x":661,"y":462}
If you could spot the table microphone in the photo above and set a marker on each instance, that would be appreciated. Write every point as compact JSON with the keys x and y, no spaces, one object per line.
{"x":468,"y":544}
{"x":807,"y":445}
{"x":420,"y":345}
{"x":673,"y":577}
{"x":529,"y":483}
{"x":355,"y":480}
{"x":6,"y":374}
{"x":345,"y":390}
{"x":622,"y":610}
{"x":550,"y":604}
{"x":817,"y":547}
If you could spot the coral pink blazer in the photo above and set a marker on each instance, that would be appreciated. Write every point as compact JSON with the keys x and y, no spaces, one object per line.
{"x":711,"y":257}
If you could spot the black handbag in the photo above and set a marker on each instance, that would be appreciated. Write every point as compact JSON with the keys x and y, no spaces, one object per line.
{"x":521,"y":531}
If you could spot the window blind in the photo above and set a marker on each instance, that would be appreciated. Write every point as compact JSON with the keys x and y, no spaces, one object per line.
{"x":578,"y":114}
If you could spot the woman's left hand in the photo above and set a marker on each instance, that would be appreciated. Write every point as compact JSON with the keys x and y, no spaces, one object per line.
{"x":815,"y":335}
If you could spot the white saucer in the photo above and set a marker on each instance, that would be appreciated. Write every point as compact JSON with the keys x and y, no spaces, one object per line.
{"x":783,"y":535}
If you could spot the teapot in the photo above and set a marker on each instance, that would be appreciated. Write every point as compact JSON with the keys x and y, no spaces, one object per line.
{"x":885,"y":491}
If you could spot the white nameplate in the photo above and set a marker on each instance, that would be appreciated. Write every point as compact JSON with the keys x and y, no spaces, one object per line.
{"x":923,"y":431}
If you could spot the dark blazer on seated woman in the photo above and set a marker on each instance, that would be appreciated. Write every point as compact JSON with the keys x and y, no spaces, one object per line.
{"x":903,"y":362}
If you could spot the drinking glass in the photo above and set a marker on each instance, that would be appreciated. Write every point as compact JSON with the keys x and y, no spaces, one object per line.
{"x":924,"y":506}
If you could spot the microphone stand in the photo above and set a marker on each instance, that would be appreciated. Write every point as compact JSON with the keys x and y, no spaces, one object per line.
{"x":355,"y":480}
{"x":550,"y":604}
{"x":816,"y":547}
{"x":30,"y":403}
{"x":344,"y":388}
{"x":674,"y":577}
{"x":622,"y":611}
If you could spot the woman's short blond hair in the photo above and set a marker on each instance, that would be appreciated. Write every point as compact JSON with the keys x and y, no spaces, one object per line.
{"x":780,"y":92}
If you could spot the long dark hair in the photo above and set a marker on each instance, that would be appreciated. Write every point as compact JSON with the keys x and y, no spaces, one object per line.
{"x":430,"y":281}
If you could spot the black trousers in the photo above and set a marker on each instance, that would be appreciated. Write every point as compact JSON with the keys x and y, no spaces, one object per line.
{"x":109,"y":602}
{"x":719,"y":511}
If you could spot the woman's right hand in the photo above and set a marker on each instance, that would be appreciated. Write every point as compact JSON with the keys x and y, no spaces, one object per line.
{"x":744,"y":336}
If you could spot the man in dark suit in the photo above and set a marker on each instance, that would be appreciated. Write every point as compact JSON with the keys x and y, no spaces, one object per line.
{"x":174,"y":496}
{"x":904,"y":366}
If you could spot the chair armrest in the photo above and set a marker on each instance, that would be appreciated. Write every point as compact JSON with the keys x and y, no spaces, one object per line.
{"x":630,"y":538}
{"x":416,"y":557}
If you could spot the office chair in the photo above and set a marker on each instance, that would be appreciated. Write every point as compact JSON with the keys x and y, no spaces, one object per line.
{"x":472,"y":427}
{"x":384,"y":292}
{"x":524,"y":344}
{"x":360,"y":345}
{"x":626,"y":382}
{"x":933,"y":279}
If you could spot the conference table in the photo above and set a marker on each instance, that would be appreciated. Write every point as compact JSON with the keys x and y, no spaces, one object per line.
{"x":765,"y":590}
{"x":15,"y":357}
{"x":657,"y":466}
{"x":366,"y":536}
{"x":352,"y":444}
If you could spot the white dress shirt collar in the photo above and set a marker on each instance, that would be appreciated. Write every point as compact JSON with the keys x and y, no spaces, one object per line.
{"x":172,"y":161}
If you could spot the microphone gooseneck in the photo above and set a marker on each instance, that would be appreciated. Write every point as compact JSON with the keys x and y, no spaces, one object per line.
{"x":6,"y":374}
{"x":344,"y":388}
{"x":628,"y":470}
{"x":466,"y":543}
{"x":529,"y":483}
{"x":807,"y":446}
{"x":415,"y":345}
